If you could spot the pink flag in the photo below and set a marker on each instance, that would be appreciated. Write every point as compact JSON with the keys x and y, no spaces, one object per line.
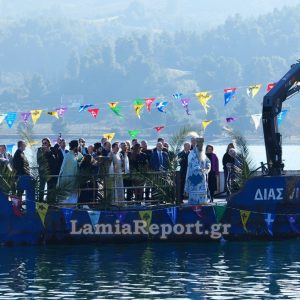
{"x":270,"y":86}
{"x":159,"y":128}
{"x":61,"y":111}
{"x":148,"y":102}
{"x":94,"y":112}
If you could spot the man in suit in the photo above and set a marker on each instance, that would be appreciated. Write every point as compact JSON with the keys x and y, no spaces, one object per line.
{"x":60,"y":150}
{"x":20,"y":163}
{"x":183,"y":162}
{"x":159,"y":159}
{"x":82,"y":148}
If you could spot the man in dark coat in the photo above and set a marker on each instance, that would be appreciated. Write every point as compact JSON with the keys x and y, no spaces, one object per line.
{"x":20,"y":163}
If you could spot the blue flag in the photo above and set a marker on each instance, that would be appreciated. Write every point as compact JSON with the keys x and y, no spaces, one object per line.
{"x":281,"y":116}
{"x":160,"y":106}
{"x":84,"y":107}
{"x":229,"y":94}
{"x":68,"y":212}
{"x":10,"y":118}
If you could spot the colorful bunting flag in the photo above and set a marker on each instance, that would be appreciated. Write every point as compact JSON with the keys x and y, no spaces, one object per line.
{"x":203,"y":98}
{"x":94,"y":217}
{"x":281,"y":116}
{"x":252,"y":90}
{"x":172,"y":213}
{"x":94,"y":112}
{"x":177,"y":96}
{"x":148,"y":102}
{"x":147,"y":217}
{"x":206,"y":123}
{"x":32,"y":143}
{"x":269,"y":222}
{"x":2,"y":117}
{"x":270,"y":86}
{"x":244,"y":217}
{"x":133,"y":133}
{"x":160,"y":106}
{"x":229,"y":94}
{"x":83,"y":107}
{"x":231,"y":119}
{"x":198,"y":210}
{"x":61,"y":110}
{"x":138,"y":105}
{"x":25,"y":117}
{"x":53,"y":114}
{"x":256,"y":120}
{"x":10,"y":119}
{"x":42,"y":209}
{"x":68,"y":212}
{"x":219,"y":212}
{"x":35,"y":115}
{"x":159,"y":128}
{"x":185,"y":103}
{"x":115,"y":108}
{"x":109,"y":136}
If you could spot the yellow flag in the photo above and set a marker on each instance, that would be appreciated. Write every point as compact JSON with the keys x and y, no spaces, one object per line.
{"x":253,"y":90}
{"x":138,"y":109}
{"x":146,"y":216}
{"x":203,"y":98}
{"x":53,"y":114}
{"x":35,"y":115}
{"x":113,"y":104}
{"x":206,"y":123}
{"x":42,"y":209}
{"x":244,"y":217}
{"x":109,"y":136}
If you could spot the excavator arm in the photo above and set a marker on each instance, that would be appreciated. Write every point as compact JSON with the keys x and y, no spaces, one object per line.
{"x":272,"y":105}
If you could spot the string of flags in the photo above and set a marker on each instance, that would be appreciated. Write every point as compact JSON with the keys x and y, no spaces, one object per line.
{"x":140,"y":104}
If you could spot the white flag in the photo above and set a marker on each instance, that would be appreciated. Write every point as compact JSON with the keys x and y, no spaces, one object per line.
{"x":256,"y":119}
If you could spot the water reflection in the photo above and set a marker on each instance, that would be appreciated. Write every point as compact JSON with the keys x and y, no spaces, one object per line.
{"x":167,"y":270}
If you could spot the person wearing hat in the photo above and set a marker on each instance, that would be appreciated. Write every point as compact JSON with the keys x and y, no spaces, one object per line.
{"x":196,"y":177}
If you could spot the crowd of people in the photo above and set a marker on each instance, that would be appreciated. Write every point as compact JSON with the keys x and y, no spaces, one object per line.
{"x":59,"y":167}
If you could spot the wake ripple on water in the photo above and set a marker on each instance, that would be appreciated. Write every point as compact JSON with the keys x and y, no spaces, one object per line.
{"x":247,"y":270}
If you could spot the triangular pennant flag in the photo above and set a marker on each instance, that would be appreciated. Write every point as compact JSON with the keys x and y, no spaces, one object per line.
{"x":229,"y":94}
{"x":256,"y":120}
{"x":53,"y":114}
{"x":281,"y":116}
{"x":148,"y":102}
{"x":203,"y":98}
{"x":244,"y":217}
{"x":269,"y":222}
{"x":177,"y":96}
{"x":94,"y":112}
{"x":206,"y":123}
{"x":25,"y":117}
{"x":172,"y":213}
{"x":2,"y":117}
{"x":94,"y":217}
{"x":198,"y":210}
{"x":138,"y":106}
{"x":61,"y":111}
{"x":9,"y":148}
{"x":32,"y":143}
{"x":83,"y":107}
{"x":42,"y":209}
{"x":147,"y":217}
{"x":35,"y":115}
{"x":68,"y":212}
{"x":133,"y":133}
{"x":159,"y":128}
{"x":115,"y":108}
{"x":185,"y":103}
{"x":10,"y":118}
{"x":231,"y":119}
{"x":219,"y":212}
{"x":109,"y":136}
{"x":292,"y":221}
{"x":270,"y":86}
{"x":252,"y":90}
{"x":160,"y":106}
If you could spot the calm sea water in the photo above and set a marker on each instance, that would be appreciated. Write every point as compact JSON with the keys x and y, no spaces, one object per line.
{"x":228,"y":270}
